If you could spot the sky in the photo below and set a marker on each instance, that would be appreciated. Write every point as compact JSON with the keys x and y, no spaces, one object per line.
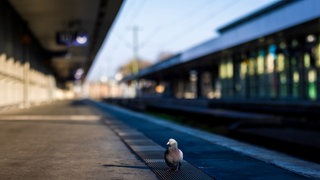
{"x":164,"y":26}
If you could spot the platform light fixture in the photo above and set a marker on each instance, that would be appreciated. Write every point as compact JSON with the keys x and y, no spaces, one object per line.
{"x":81,"y":39}
{"x":311,"y":38}
{"x":72,"y":38}
{"x":78,"y":74}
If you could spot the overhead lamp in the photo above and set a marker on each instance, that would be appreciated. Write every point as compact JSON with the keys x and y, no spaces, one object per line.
{"x":310,"y":38}
{"x":81,"y":39}
{"x":78,"y":74}
{"x":72,"y":38}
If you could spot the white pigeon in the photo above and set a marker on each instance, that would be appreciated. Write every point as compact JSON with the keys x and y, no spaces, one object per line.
{"x":173,"y":156}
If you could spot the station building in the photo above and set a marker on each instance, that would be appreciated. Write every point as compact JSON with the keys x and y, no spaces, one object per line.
{"x":270,"y":55}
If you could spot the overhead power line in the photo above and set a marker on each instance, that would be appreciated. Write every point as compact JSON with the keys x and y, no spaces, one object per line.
{"x":176,"y":37}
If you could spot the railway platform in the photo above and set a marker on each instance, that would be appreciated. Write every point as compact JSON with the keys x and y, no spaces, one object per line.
{"x":86,"y":139}
{"x":64,"y":140}
{"x":217,"y":156}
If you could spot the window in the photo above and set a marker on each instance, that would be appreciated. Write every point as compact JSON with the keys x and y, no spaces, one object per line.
{"x":312,"y":86}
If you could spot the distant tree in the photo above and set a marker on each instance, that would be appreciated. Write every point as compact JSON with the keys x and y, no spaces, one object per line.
{"x":129,"y":68}
{"x":164,"y":55}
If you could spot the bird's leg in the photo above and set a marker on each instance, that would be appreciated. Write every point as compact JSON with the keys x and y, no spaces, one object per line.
{"x":177,"y":168}
{"x":171,"y":169}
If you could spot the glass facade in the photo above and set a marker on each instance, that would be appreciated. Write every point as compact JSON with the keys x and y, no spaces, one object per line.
{"x":281,"y":66}
{"x":226,"y":72}
{"x":287,"y":68}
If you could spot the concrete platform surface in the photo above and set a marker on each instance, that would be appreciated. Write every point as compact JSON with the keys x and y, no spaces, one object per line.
{"x":85,"y":139}
{"x":64,"y":140}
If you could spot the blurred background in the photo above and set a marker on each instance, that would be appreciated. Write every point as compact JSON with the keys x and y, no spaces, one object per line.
{"x":250,"y":67}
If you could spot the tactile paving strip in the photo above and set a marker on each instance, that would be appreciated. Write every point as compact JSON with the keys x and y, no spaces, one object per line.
{"x":152,"y":154}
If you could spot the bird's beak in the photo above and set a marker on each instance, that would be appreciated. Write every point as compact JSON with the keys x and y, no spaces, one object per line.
{"x":168,"y":143}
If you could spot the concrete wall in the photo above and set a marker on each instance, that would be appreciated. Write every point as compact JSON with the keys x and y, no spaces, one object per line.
{"x":22,"y":86}
{"x":24,"y":78}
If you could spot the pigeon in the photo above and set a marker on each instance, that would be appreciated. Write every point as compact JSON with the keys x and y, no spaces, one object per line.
{"x":173,"y":156}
